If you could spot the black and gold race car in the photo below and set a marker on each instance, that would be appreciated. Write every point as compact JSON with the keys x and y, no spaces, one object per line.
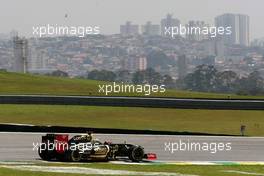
{"x":85,"y":148}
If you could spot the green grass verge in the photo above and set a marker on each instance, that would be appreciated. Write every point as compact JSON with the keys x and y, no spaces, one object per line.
{"x":17,"y":83}
{"x":206,"y":121}
{"x":194,"y":170}
{"x":183,"y":169}
{"x":13,"y":172}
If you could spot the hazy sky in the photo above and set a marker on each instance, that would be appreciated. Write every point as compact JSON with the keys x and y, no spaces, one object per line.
{"x":21,"y":15}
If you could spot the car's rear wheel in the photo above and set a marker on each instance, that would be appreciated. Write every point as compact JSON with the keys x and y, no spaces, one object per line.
{"x":136,"y":153}
{"x":74,"y":155}
{"x":45,"y":154}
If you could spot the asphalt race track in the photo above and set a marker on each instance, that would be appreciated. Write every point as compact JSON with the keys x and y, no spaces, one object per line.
{"x":19,"y":147}
{"x":236,"y":104}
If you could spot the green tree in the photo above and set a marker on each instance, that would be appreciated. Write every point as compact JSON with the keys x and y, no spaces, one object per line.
{"x":252,"y":85}
{"x":102,"y":75}
{"x":204,"y":79}
{"x":148,"y":76}
{"x":59,"y":73}
{"x":227,"y":81}
{"x":168,"y":81}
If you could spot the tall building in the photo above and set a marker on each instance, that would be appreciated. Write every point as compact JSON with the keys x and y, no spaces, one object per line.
{"x":195,"y":33}
{"x":150,"y":29}
{"x":239,"y":26}
{"x":129,"y":29}
{"x":37,"y":59}
{"x":134,"y":63}
{"x":20,"y":54}
{"x":167,"y":23}
{"x":182,"y":66}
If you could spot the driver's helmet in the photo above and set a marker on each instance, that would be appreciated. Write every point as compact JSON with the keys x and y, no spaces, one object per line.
{"x":89,"y":136}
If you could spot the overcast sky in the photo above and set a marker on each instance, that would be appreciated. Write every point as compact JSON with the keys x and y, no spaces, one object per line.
{"x":21,"y":15}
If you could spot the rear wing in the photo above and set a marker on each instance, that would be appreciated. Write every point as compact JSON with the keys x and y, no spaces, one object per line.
{"x":59,"y":141}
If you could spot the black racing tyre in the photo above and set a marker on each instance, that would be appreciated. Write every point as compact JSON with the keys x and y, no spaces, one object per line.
{"x":136,"y":153}
{"x":45,"y":154}
{"x":74,"y":155}
{"x":61,"y":157}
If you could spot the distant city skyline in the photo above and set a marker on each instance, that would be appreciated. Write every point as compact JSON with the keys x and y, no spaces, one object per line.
{"x":109,"y":15}
{"x":239,"y":26}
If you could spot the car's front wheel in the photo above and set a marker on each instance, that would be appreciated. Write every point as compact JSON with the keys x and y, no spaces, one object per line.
{"x":136,"y":153}
{"x":74,"y":155}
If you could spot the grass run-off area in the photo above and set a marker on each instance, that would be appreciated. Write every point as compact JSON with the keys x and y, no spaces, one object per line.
{"x":179,"y":169}
{"x":17,"y":83}
{"x":205,"y":121}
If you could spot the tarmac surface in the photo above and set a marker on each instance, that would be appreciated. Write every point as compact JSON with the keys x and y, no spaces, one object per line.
{"x":19,"y":146}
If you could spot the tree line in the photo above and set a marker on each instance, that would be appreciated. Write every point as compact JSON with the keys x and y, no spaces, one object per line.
{"x":208,"y":79}
{"x":204,"y":78}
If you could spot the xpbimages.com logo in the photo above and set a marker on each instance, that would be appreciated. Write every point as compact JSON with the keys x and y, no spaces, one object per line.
{"x":57,"y":30}
{"x":60,"y":146}
{"x":147,"y":89}
{"x":194,"y":146}
{"x":211,"y":31}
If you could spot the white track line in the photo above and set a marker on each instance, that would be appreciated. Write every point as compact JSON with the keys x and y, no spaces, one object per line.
{"x":243,"y":172}
{"x":88,"y":171}
{"x":145,"y":135}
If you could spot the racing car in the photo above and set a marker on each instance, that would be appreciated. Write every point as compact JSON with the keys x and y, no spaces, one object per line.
{"x":84,"y":148}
